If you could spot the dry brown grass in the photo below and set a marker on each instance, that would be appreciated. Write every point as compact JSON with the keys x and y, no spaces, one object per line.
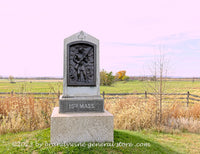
{"x":132,"y":113}
{"x":136,"y":114}
{"x":24,"y":113}
{"x":178,"y":116}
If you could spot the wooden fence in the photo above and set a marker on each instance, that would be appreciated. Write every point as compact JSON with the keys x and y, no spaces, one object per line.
{"x":183,"y":96}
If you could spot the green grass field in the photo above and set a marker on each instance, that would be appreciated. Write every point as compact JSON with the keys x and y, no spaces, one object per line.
{"x":117,"y":87}
{"x":124,"y":142}
{"x":25,"y":86}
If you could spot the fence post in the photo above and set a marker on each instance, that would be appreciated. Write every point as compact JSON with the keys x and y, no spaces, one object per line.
{"x":103,"y":94}
{"x":58,"y":94}
{"x":145,"y":94}
{"x":188,"y":97}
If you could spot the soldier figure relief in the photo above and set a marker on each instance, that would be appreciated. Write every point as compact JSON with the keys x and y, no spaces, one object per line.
{"x":81,"y":65}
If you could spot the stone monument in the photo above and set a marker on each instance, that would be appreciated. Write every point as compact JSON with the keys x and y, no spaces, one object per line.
{"x":80,"y":116}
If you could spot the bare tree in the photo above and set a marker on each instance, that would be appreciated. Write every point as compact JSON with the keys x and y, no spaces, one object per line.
{"x":158,"y":83}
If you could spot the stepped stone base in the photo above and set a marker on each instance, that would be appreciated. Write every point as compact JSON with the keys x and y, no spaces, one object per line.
{"x":81,"y":127}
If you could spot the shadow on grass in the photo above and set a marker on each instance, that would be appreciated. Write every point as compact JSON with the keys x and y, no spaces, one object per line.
{"x":39,"y":142}
{"x":140,"y":144}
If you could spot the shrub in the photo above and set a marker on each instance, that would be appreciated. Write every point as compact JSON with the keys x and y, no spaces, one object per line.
{"x":106,"y":79}
{"x":11,"y":79}
{"x":121,"y":75}
{"x":153,"y":78}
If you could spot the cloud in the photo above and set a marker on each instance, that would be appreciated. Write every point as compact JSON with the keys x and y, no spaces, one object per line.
{"x":178,"y":42}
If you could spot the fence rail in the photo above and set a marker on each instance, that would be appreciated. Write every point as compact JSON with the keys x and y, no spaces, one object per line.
{"x":187,"y":95}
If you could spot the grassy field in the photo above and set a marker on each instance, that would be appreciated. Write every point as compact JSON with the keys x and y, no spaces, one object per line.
{"x":141,"y":86}
{"x":124,"y":142}
{"x":28,"y":86}
{"x":25,"y":113}
{"x":117,"y":87}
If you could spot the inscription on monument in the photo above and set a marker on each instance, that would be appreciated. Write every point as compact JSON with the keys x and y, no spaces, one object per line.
{"x":81,"y":64}
{"x":81,"y":106}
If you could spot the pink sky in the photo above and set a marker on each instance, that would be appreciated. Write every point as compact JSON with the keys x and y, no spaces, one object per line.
{"x":130,"y":34}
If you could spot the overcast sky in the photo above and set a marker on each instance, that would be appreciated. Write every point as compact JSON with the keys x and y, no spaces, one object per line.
{"x":131,"y":33}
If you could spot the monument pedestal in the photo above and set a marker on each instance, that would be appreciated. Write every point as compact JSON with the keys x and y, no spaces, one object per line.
{"x":81,"y":127}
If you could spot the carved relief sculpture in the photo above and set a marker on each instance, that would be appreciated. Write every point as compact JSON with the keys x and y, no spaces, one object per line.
{"x":82,"y":64}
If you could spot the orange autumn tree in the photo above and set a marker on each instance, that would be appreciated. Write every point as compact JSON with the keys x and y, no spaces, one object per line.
{"x":121,"y":75}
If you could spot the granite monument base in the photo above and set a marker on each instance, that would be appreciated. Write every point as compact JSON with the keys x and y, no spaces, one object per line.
{"x":81,"y":127}
{"x":81,"y":104}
